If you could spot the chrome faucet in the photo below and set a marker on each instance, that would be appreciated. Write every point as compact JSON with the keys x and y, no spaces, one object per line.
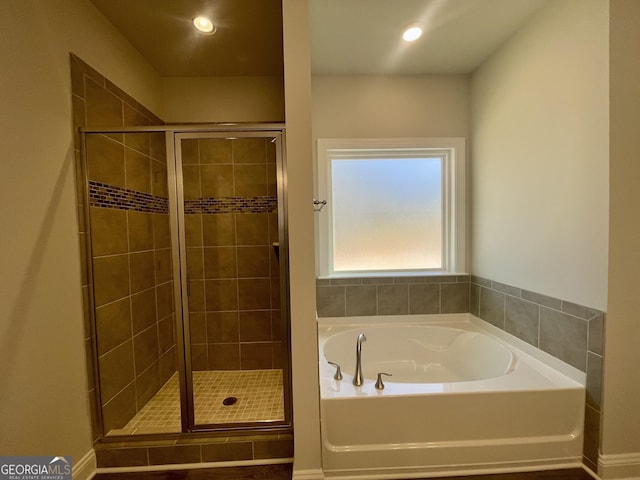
{"x":357,"y":379}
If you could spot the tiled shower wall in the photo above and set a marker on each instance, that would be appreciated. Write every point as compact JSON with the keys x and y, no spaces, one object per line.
{"x":570,"y":332}
{"x":96,"y":103}
{"x":132,"y":274}
{"x":231,"y":224}
{"x":131,"y":248}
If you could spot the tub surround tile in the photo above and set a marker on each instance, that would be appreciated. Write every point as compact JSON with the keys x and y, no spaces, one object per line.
{"x":545,"y":300}
{"x":345,"y":281}
{"x":579,"y":311}
{"x":492,"y":307}
{"x":339,"y":297}
{"x":393,"y":299}
{"x":367,"y":280}
{"x":591,"y":443}
{"x":361,"y":300}
{"x":508,"y":289}
{"x":474,"y":299}
{"x":564,"y":337}
{"x":522,"y":319}
{"x":596,"y":328}
{"x":330,"y":301}
{"x":594,"y":380}
{"x":454,"y":298}
{"x":441,"y":279}
{"x":424,"y":298}
{"x":483,"y":282}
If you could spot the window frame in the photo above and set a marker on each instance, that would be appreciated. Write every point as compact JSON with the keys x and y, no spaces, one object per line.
{"x":450,"y":149}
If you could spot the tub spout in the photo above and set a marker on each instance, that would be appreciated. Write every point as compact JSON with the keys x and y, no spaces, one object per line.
{"x":358,"y":379}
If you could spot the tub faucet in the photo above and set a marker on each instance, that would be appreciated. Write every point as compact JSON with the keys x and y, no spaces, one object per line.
{"x":357,"y":379}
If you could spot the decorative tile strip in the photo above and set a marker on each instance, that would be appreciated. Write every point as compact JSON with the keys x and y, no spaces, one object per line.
{"x":108,"y":196}
{"x":212,"y":206}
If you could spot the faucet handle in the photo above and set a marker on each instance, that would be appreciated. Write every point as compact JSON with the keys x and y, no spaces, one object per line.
{"x":338,"y":375}
{"x":379,"y":384}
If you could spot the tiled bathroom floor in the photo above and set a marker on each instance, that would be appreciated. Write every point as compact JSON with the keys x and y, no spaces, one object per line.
{"x":258,"y":393}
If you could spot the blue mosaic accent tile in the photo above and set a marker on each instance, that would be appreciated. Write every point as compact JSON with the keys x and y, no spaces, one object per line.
{"x":211,"y":205}
{"x":108,"y":196}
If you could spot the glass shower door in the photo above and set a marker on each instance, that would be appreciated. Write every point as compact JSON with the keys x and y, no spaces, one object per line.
{"x":234,"y":328}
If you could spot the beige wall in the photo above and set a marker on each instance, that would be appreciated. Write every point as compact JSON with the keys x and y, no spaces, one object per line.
{"x":304,"y":335}
{"x":539,"y":156}
{"x":390,"y":106}
{"x":621,"y":403}
{"x":43,"y":404}
{"x":223,"y":99}
{"x":367,"y":106}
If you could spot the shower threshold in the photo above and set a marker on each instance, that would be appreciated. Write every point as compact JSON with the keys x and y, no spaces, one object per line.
{"x":258,"y":398}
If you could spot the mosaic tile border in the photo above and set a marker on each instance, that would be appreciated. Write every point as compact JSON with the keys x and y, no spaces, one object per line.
{"x":212,"y":205}
{"x":109,"y":196}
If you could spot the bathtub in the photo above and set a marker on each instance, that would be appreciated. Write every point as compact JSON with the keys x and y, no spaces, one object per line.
{"x":464,"y":398}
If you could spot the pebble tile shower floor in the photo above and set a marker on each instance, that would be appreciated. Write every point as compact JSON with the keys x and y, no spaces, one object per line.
{"x":258,"y":393}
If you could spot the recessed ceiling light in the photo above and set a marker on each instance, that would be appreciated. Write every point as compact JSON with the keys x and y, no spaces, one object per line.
{"x":411,"y":34}
{"x":204,"y":25}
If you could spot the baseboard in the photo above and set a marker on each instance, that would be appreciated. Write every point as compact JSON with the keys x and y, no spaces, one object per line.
{"x":308,"y":474}
{"x":624,"y":466}
{"x":85,"y":468}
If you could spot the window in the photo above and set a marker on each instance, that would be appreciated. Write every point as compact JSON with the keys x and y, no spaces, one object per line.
{"x":394,"y":206}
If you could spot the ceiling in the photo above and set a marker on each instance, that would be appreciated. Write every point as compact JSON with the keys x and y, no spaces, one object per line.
{"x":248,"y":39}
{"x":364,"y":36}
{"x":347,"y":36}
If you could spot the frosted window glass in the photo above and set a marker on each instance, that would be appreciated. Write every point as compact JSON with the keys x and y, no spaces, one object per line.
{"x":387,"y":214}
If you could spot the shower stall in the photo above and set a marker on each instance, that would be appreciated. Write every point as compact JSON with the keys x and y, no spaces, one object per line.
{"x":187,"y":256}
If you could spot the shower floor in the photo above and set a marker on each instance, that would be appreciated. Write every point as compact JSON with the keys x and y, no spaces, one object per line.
{"x":258,"y":393}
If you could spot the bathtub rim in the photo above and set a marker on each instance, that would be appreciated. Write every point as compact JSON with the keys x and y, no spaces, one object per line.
{"x":553,"y":373}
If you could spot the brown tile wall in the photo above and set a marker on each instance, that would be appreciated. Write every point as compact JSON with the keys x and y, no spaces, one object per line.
{"x":231,"y":225}
{"x":131,"y":250}
{"x":195,"y":450}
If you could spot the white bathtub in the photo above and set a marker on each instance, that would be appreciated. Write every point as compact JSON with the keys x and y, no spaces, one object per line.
{"x":464,"y":398}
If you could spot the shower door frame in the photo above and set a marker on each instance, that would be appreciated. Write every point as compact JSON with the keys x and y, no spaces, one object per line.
{"x":176,"y":198}
{"x":181,"y":330}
